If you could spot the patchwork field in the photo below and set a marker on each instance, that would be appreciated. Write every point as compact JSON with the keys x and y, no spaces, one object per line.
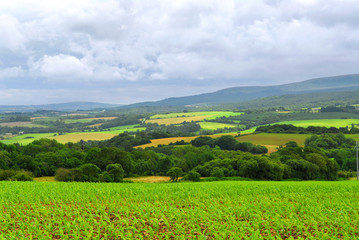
{"x":208,"y":210}
{"x":72,"y":137}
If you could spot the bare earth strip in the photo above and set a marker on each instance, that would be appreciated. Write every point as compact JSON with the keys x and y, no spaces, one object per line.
{"x":14,"y":124}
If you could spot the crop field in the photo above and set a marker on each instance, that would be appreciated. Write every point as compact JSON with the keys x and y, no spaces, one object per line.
{"x":70,"y":137}
{"x":273,"y":140}
{"x":215,"y":125}
{"x":176,"y":118}
{"x":322,"y":122}
{"x":206,"y":210}
{"x":166,"y":141}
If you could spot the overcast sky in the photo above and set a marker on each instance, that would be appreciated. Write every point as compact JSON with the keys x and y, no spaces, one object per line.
{"x":130,"y":51}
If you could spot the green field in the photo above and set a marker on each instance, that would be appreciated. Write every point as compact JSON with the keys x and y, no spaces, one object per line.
{"x":72,"y":137}
{"x":195,"y":114}
{"x":215,"y":125}
{"x":276,"y":139}
{"x":322,"y":122}
{"x":214,"y":210}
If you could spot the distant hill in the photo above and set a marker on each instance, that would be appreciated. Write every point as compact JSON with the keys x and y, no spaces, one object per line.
{"x":242,"y":94}
{"x":303,"y":100}
{"x":71,"y":106}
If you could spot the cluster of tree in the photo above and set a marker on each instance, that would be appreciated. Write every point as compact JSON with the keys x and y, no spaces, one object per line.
{"x":228,"y":142}
{"x":289,"y":128}
{"x":124,"y":119}
{"x":15,"y":118}
{"x":173,"y":130}
{"x":321,"y":158}
{"x":348,"y":108}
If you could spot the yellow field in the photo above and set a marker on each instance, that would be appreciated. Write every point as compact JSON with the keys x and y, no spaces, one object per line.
{"x":76,"y":137}
{"x":177,"y":120}
{"x":166,"y":141}
{"x":149,"y":179}
{"x":45,"y":179}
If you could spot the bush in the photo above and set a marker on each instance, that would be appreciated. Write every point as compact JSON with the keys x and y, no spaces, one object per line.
{"x":192,"y":176}
{"x":63,"y":175}
{"x":116,"y":172}
{"x":12,"y":175}
{"x":105,"y":177}
{"x":23,"y":176}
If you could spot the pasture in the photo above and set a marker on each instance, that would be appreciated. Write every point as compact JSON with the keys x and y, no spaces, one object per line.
{"x":215,"y":125}
{"x":322,"y":123}
{"x":205,"y":210}
{"x":71,"y":137}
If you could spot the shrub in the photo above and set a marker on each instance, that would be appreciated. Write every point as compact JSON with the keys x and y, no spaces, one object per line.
{"x":63,"y":175}
{"x":192,"y":176}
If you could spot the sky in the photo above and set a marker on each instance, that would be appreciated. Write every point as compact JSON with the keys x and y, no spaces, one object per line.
{"x":127,"y":51}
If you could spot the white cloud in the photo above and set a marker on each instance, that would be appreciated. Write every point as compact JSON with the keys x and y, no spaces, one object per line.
{"x":11,"y":33}
{"x":153,"y":43}
{"x":12,"y":72}
{"x":61,"y":67}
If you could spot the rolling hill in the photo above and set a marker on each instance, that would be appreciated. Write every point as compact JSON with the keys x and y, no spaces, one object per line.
{"x":242,"y":94}
{"x":71,"y":106}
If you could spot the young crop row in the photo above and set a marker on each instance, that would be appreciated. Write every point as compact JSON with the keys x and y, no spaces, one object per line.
{"x":217,"y":210}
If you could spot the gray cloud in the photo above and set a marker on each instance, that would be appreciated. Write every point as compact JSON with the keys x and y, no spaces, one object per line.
{"x":132,"y":51}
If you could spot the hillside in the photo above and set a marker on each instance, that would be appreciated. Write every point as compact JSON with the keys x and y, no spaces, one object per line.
{"x":242,"y":94}
{"x":71,"y":106}
{"x":302,"y":100}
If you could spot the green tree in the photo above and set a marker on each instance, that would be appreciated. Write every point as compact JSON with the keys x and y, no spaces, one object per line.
{"x":175,"y":173}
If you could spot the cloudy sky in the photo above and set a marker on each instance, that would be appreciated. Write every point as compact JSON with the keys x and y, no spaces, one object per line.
{"x":126,"y":51}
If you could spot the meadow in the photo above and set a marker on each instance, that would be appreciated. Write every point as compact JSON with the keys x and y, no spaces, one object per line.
{"x":72,"y":137}
{"x":322,"y":123}
{"x":205,"y":210}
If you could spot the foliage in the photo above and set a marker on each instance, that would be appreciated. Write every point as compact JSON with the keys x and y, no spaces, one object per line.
{"x":175,"y":173}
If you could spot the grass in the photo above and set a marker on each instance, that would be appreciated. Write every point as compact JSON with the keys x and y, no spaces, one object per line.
{"x":215,"y":125}
{"x":71,"y":137}
{"x":205,"y":210}
{"x":273,"y":140}
{"x":322,"y":122}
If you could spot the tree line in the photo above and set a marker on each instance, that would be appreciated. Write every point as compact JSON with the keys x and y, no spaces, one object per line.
{"x":321,"y":158}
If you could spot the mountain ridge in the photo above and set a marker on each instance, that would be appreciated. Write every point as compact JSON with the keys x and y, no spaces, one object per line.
{"x":348,"y":82}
